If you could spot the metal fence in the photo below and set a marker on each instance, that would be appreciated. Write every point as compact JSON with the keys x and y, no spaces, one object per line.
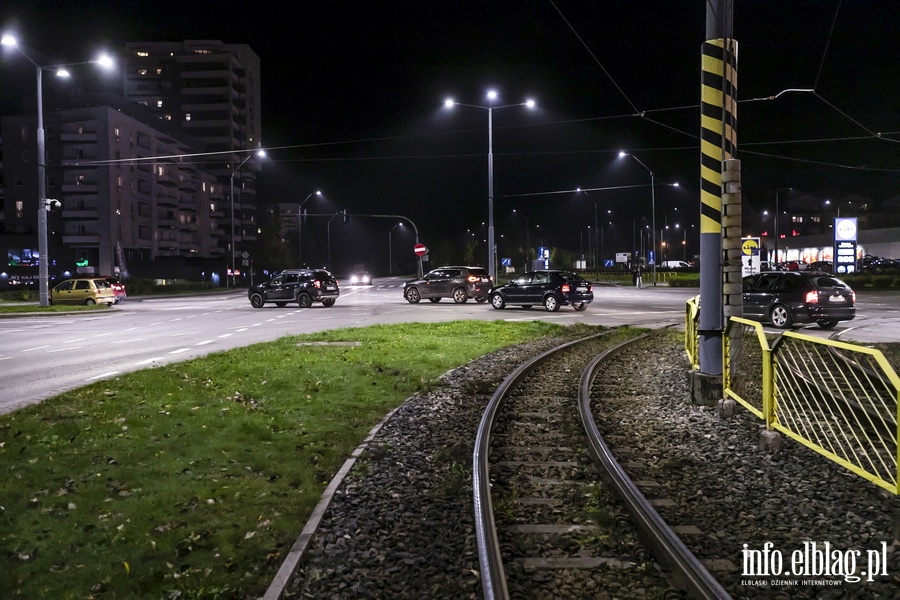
{"x":839,"y":399}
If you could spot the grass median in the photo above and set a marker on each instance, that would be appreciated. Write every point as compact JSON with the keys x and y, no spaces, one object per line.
{"x":193,"y":480}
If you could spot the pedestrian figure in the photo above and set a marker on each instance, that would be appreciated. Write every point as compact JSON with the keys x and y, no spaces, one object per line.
{"x":636,"y":276}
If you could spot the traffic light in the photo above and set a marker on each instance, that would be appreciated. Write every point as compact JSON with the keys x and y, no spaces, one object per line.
{"x":344,"y":216}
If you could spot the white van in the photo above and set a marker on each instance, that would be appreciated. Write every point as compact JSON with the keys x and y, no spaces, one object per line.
{"x":675,"y":264}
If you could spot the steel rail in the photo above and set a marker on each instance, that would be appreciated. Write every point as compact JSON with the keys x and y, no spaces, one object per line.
{"x":688,"y":572}
{"x":493,"y":575}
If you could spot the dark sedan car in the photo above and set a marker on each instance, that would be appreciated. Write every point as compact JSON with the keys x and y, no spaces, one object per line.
{"x":551,"y":289}
{"x":303,"y":286}
{"x":459,"y":283}
{"x":787,"y":297}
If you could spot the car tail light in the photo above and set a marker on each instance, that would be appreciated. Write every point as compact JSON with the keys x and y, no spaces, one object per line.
{"x":812,"y":297}
{"x":853,"y":296}
{"x":317,"y":283}
{"x":473,"y":279}
{"x":565,"y":288}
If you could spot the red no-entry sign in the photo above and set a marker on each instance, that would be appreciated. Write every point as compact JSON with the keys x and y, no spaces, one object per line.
{"x":420,"y":249}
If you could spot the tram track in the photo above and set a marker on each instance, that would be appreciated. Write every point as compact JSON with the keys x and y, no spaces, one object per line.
{"x":546,"y":526}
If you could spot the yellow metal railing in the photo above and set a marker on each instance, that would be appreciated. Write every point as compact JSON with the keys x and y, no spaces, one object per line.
{"x":838,"y":399}
{"x":841,"y":400}
{"x":692,"y":331}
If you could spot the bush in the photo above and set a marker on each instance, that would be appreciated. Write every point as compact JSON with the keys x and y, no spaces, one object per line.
{"x":685,"y":280}
{"x":19,"y":295}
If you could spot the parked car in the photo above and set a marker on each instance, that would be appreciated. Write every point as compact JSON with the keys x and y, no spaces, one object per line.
{"x":784,"y":298}
{"x":459,"y":283}
{"x":83,"y":290}
{"x":823,"y":266}
{"x":118,"y":288}
{"x":551,"y":289}
{"x":793,"y":265}
{"x":303,"y":286}
{"x":675,"y":264}
{"x":361,"y":278}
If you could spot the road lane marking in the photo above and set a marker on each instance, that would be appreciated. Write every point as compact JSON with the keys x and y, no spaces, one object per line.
{"x":204,"y":342}
{"x":127,"y":341}
{"x":36,"y":348}
{"x":5,"y":357}
{"x":75,"y":340}
{"x":65,"y":349}
{"x":149,"y":360}
{"x":225,"y":335}
{"x":103,"y":376}
{"x":179,"y":351}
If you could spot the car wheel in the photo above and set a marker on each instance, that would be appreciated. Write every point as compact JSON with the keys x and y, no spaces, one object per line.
{"x":826,"y":324}
{"x":498,"y":302}
{"x":480,"y":299}
{"x":328,"y":302}
{"x":281,"y":304}
{"x":460,"y":296}
{"x":780,"y":316}
{"x":90,"y":302}
{"x":551,"y":303}
{"x":304,"y":300}
{"x":435,"y":300}
{"x":581,"y":307}
{"x":413,"y":296}
{"x":256,"y":301}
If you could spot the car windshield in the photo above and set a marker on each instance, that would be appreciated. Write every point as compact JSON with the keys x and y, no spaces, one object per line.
{"x":101,"y":284}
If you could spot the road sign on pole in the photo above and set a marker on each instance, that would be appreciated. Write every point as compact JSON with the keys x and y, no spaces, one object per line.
{"x":420,"y":249}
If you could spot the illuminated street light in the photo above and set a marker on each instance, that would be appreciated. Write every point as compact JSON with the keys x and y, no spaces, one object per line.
{"x":43,"y":203}
{"x":300,"y":222}
{"x":652,"y":207}
{"x":491,"y":96}
{"x":259,"y":154}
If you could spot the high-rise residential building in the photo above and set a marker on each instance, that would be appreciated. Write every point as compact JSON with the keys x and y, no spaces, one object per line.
{"x":211,"y":90}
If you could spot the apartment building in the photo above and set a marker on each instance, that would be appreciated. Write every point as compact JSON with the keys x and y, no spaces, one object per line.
{"x":210,"y":90}
{"x":131,"y":197}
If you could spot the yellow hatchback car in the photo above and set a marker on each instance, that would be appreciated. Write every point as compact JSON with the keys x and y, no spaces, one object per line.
{"x":88,"y":290}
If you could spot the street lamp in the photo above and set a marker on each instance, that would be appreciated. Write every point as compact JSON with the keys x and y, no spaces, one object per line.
{"x":260,"y":154}
{"x":652,"y":208}
{"x":491,"y":96}
{"x":300,"y":222}
{"x":42,"y":201}
{"x":390,"y":247}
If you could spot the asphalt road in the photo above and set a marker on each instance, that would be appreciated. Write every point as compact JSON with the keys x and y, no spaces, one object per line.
{"x":42,"y":356}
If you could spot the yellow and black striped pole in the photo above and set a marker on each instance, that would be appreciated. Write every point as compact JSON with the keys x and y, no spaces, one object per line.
{"x":718,"y":143}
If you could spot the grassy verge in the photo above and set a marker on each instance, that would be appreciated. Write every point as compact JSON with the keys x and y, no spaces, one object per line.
{"x":193,"y":480}
{"x":25,"y":308}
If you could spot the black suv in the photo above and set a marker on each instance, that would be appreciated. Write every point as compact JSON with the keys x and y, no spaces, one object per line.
{"x":552,"y":289}
{"x":787,"y":297}
{"x":303,"y":286}
{"x":459,"y":283}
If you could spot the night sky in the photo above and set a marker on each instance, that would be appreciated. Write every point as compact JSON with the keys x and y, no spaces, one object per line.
{"x":353,"y":92}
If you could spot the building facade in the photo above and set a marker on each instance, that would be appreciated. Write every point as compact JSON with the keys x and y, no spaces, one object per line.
{"x":210,"y":90}
{"x":123,"y":205}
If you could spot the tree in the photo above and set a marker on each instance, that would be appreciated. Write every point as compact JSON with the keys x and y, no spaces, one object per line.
{"x":270,"y":252}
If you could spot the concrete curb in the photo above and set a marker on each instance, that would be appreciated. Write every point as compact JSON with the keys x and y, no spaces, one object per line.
{"x":292,"y":560}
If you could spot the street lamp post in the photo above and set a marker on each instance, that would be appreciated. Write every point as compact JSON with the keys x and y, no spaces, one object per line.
{"x":300,"y":223}
{"x":42,"y":202}
{"x":491,"y":95}
{"x":260,"y":154}
{"x":595,"y":217}
{"x":652,"y":209}
{"x":390,"y":249}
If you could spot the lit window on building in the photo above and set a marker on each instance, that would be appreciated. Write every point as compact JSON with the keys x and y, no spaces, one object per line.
{"x":142,"y":53}
{"x":187,"y":116}
{"x":159,"y":103}
{"x":142,"y":71}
